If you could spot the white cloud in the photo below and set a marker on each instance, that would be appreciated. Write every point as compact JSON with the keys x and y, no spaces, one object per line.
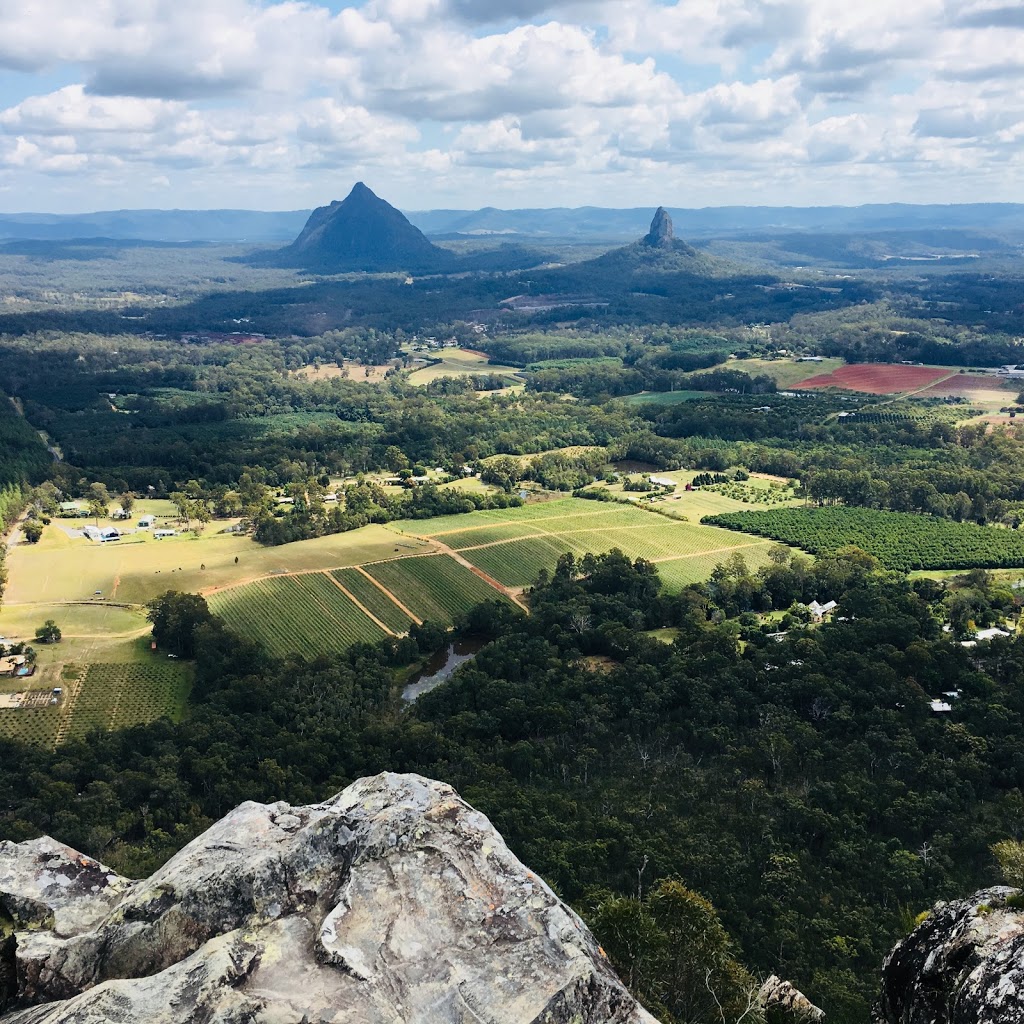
{"x":599,"y":100}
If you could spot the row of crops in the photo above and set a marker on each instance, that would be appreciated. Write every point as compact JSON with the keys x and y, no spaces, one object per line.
{"x":433,"y":586}
{"x":118,"y":696}
{"x":899,"y":540}
{"x":371,"y":597}
{"x":108,"y":696}
{"x":304,"y":614}
{"x":312,"y":613}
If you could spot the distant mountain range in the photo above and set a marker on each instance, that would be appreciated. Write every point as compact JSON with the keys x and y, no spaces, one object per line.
{"x":588,"y":223}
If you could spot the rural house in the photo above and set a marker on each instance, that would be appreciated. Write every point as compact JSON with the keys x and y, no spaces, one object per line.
{"x":819,"y":611}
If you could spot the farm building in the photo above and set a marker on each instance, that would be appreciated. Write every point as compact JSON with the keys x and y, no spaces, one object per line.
{"x":819,"y":611}
{"x":102,"y":534}
{"x":9,"y":665}
{"x":72,"y":509}
{"x":160,"y":534}
{"x":663,"y":481}
{"x":145,"y":522}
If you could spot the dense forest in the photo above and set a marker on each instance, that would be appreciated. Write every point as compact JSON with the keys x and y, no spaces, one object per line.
{"x":802,"y":785}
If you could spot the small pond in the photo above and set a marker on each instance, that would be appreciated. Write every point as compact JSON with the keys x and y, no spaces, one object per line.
{"x":440,"y":667}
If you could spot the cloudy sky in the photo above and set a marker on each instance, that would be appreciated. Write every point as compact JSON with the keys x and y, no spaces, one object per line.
{"x":465,"y":103}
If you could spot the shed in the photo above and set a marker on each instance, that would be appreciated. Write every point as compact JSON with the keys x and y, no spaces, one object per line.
{"x":160,"y":534}
{"x":145,"y":522}
{"x":108,"y":533}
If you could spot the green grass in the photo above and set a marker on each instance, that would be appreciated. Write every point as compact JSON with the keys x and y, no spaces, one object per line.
{"x":374,"y":599}
{"x":666,"y":397}
{"x":899,"y":540}
{"x":61,"y":569}
{"x":304,"y":614}
{"x":785,"y":372}
{"x":433,"y":587}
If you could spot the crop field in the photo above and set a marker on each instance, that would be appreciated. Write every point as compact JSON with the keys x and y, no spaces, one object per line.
{"x":433,"y":586}
{"x":458,"y":362}
{"x":305,"y":614}
{"x":102,"y":696}
{"x":59,"y":569}
{"x":119,"y":696}
{"x":527,"y":513}
{"x":373,"y":599}
{"x":981,"y":389}
{"x":877,"y":378}
{"x":899,"y":540}
{"x":786,"y":373}
{"x":665,"y":397}
{"x":512,"y":548}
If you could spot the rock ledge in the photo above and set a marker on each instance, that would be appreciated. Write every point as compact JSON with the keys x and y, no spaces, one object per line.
{"x":393,"y":902}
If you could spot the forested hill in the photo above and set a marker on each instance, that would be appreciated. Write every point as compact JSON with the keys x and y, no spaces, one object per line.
{"x":802,"y":785}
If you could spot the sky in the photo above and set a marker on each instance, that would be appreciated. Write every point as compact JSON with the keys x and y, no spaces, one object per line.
{"x":198,"y":104}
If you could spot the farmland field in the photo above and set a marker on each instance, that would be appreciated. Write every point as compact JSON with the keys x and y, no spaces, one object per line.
{"x":785,"y":372}
{"x":512,"y":545}
{"x":373,"y":599}
{"x":101,"y":696}
{"x":59,"y":569}
{"x":458,"y":362}
{"x":899,"y":540}
{"x":877,"y":378}
{"x":433,"y":586}
{"x":305,"y":614}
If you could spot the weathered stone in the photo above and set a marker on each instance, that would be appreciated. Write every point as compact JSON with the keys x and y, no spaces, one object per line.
{"x":394,"y":902}
{"x":963,"y":965}
{"x":779,"y":995}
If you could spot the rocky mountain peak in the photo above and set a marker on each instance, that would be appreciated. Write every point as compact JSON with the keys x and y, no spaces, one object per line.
{"x":362,"y":232}
{"x":662,"y":233}
{"x":393,"y":902}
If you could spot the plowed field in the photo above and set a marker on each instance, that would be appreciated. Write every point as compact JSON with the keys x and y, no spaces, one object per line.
{"x":877,"y":378}
{"x":972,"y":384}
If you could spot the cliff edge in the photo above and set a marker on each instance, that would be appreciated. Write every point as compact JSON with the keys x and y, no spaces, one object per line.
{"x":964,"y":964}
{"x":392,"y":902}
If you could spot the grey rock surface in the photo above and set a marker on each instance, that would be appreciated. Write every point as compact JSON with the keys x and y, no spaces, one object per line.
{"x":963,"y":965}
{"x":393,"y":902}
{"x":661,"y":232}
{"x":788,"y":1001}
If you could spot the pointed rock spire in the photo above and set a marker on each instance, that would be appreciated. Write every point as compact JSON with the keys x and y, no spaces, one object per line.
{"x":661,"y":232}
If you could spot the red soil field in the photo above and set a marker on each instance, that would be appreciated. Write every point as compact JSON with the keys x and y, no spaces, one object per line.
{"x":876,"y":378}
{"x":961,"y":383}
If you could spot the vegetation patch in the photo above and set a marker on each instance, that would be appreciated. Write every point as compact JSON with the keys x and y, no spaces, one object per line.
{"x":899,"y":540}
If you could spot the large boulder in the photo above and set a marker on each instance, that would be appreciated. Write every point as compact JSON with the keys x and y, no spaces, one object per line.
{"x":392,"y":902}
{"x":964,"y":964}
